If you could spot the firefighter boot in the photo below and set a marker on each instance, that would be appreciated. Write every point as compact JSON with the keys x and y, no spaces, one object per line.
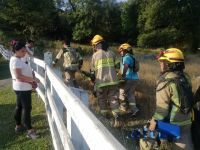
{"x":117,"y":123}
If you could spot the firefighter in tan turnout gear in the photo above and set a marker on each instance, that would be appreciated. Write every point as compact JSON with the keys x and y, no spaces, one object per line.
{"x":72,"y":62}
{"x":103,"y":65}
{"x":170,"y":98}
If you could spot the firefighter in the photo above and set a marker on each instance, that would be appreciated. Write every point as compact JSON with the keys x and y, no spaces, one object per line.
{"x":169,"y":98}
{"x":103,"y":65}
{"x":130,"y":77}
{"x":72,"y":63}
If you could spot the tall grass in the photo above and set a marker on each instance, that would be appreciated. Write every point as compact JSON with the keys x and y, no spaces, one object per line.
{"x":145,"y":92}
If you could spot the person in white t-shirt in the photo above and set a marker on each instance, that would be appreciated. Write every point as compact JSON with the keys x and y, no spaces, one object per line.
{"x":23,"y":80}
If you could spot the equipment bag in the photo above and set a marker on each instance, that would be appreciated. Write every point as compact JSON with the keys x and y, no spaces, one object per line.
{"x":71,"y":55}
{"x":184,"y":88}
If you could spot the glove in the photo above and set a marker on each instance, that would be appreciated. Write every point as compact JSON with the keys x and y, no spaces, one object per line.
{"x":119,"y":75}
{"x":53,"y":64}
{"x":152,"y":124}
{"x":34,"y":85}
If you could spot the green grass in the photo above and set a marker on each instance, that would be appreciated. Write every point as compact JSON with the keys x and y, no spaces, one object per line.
{"x":12,"y":141}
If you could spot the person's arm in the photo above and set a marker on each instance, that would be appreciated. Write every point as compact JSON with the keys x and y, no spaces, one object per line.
{"x":163,"y":98}
{"x":23,"y":78}
{"x":125,"y":70}
{"x":58,"y":56}
{"x":29,"y":51}
{"x":126,"y":63}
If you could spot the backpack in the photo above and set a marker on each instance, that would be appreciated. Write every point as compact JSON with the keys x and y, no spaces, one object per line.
{"x":184,"y":90}
{"x":136,"y":66}
{"x":71,"y":55}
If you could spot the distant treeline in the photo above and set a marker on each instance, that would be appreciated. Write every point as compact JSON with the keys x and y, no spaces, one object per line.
{"x":143,"y":23}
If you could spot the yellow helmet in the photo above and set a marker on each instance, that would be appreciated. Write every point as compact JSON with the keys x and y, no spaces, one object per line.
{"x":96,"y":39}
{"x":124,"y":46}
{"x":171,"y":55}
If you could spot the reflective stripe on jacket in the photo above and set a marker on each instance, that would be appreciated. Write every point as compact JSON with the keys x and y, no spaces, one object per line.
{"x":103,"y":63}
{"x":164,"y":105}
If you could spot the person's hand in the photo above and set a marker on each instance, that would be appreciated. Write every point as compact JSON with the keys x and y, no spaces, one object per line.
{"x":36,"y":80}
{"x":119,"y":75}
{"x":53,"y":64}
{"x":34,"y":85}
{"x":152,"y":124}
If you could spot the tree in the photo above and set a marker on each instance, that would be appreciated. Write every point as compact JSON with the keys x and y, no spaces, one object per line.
{"x":179,"y":19}
{"x":29,"y":18}
{"x":129,"y":16}
{"x":90,"y":17}
{"x":83,"y":17}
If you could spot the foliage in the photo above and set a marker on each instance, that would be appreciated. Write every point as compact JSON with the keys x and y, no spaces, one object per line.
{"x":145,"y":22}
{"x":158,"y":38}
{"x":89,"y":17}
{"x":180,"y":16}
{"x":129,"y":16}
{"x":29,"y":19}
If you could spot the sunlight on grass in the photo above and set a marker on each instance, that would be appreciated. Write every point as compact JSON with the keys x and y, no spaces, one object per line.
{"x":12,"y":141}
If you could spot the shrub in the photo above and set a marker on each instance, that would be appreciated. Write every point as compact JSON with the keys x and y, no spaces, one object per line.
{"x":158,"y":38}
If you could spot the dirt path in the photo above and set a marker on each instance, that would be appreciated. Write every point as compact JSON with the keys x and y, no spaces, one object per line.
{"x":5,"y":83}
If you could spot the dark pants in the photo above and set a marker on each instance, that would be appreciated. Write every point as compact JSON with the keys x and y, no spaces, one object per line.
{"x":23,"y":108}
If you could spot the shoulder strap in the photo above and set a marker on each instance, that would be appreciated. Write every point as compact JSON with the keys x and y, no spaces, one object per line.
{"x":163,"y":79}
{"x":133,"y":61}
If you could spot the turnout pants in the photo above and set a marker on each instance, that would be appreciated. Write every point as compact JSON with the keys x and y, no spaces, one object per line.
{"x":23,"y":108}
{"x":126,"y":94}
{"x":108,"y":95}
{"x":70,"y":78}
{"x":185,"y":142}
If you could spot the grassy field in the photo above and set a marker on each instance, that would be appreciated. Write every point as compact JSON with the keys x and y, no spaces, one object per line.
{"x":12,"y":141}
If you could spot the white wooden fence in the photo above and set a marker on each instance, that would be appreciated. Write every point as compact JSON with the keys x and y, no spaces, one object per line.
{"x":72,"y":124}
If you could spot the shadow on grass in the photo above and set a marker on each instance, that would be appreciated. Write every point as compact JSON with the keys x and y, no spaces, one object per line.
{"x":10,"y":140}
{"x":7,"y":124}
{"x":4,"y":70}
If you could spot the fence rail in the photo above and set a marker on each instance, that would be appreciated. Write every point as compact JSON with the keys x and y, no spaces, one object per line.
{"x":72,"y":124}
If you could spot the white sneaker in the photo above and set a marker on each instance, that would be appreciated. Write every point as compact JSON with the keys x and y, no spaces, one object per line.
{"x":32,"y":134}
